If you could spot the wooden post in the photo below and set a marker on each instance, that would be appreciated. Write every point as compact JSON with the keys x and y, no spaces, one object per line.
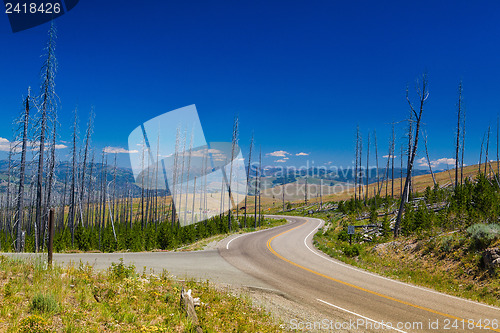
{"x":51,"y":236}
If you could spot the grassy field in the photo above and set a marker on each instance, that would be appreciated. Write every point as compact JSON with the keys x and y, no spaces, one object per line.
{"x":80,"y":299}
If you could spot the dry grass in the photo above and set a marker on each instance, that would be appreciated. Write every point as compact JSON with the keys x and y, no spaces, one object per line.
{"x":117,"y":300}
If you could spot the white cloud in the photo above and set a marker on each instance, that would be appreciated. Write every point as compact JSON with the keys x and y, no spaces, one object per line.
{"x":35,"y":146}
{"x":4,"y":144}
{"x":387,"y":156}
{"x":280,"y":161}
{"x":302,"y":154}
{"x":444,"y":160}
{"x":118,"y":150}
{"x":422,"y":162}
{"x":278,"y":153}
{"x":436,"y":163}
{"x":16,"y":145}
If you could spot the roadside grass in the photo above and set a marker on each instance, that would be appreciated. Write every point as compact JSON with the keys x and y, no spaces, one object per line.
{"x":445,"y":262}
{"x":35,"y":298}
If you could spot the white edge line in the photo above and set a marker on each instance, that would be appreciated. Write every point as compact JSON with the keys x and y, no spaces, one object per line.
{"x":385,"y":278}
{"x":356,"y":314}
{"x":248,"y":233}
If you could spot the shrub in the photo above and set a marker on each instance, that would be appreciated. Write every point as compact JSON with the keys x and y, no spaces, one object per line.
{"x":341,"y":208}
{"x":44,"y":303}
{"x":351,"y":250}
{"x":482,"y":235}
{"x":386,"y":226}
{"x":33,"y":324}
{"x":120,"y":271}
{"x":446,"y":244}
{"x":343,"y":236}
{"x":373,"y":216}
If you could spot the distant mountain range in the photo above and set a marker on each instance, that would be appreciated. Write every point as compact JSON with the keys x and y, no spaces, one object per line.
{"x":271,"y":176}
{"x":124,"y":176}
{"x":345,"y":175}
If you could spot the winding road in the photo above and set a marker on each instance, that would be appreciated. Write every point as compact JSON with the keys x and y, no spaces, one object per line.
{"x":283,"y":259}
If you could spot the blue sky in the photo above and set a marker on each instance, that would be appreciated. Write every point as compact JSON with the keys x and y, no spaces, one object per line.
{"x":299,"y":74}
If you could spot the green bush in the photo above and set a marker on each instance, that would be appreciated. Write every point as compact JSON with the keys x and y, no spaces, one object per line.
{"x":482,"y":235}
{"x":343,"y":236}
{"x":44,"y":303}
{"x":386,"y":226}
{"x":352,"y":250}
{"x":120,"y":271}
{"x":416,"y":220}
{"x":446,"y":244}
{"x":373,"y":216}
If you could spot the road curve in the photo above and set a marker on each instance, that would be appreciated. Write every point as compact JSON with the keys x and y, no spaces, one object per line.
{"x":285,"y":259}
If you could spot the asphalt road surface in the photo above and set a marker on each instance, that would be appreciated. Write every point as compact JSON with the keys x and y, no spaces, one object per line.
{"x":355,"y":300}
{"x":283,"y":259}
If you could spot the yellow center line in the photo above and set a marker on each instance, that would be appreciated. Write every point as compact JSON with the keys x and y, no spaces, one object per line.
{"x":367,"y":290}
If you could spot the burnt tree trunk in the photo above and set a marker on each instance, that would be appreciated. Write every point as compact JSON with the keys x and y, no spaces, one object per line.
{"x":423,"y":94}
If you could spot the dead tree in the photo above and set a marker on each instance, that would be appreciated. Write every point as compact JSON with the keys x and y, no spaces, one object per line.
{"x":428,"y":160}
{"x":410,"y":136}
{"x":22,"y":172}
{"x":356,"y":166}
{"x":283,"y":189}
{"x":104,"y":174}
{"x":234,"y":145}
{"x":260,"y":185}
{"x":401,"y":172}
{"x":487,"y":150}
{"x":50,"y":181}
{"x":392,"y":161}
{"x":248,"y":181}
{"x":72,"y":193}
{"x":175,"y":175}
{"x":305,"y":189}
{"x":90,"y":188}
{"x":457,"y":147}
{"x":360,"y":177}
{"x":183,"y":172}
{"x":47,"y":105}
{"x":88,"y":135}
{"x":376,"y":157}
{"x":422,"y":94}
{"x":367,"y":166}
{"x":481,"y":155}
{"x":7,"y":208}
{"x":463,"y":149}
{"x":255,"y":186}
{"x":188,"y":173}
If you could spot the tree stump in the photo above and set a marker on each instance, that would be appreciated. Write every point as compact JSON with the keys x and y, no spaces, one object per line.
{"x":188,"y":303}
